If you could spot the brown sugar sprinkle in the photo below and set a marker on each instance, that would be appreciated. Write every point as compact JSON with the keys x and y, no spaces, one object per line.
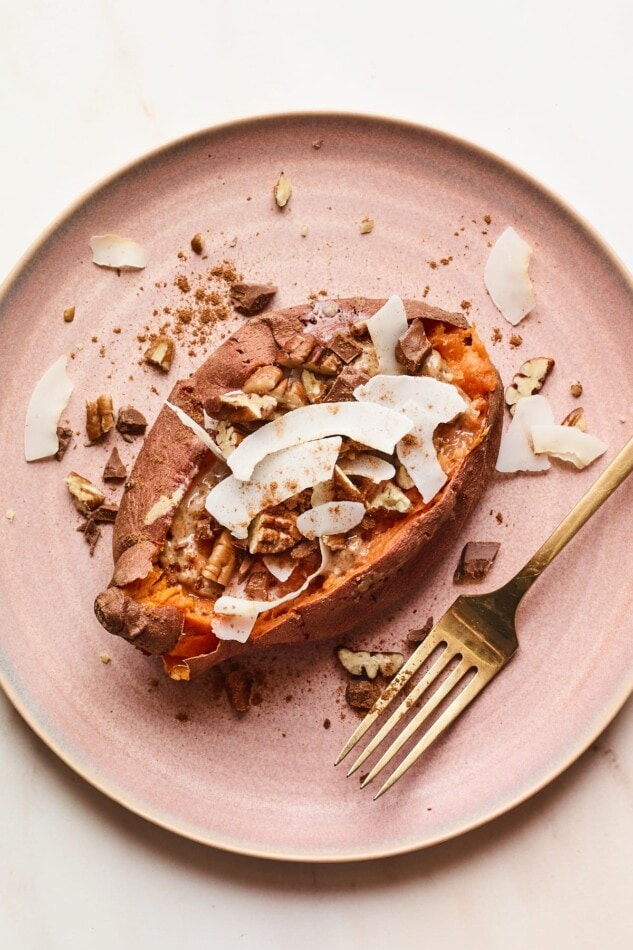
{"x":497,"y":335}
{"x":426,"y":290}
{"x":182,"y":283}
{"x":515,"y":340}
{"x":445,"y":261}
{"x":487,"y":219}
{"x":465,"y":304}
{"x":433,"y":264}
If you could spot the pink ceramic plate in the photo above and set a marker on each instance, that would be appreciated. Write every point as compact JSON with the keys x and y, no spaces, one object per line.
{"x":175,"y":753}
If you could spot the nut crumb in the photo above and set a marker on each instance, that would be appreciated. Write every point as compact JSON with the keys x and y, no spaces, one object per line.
{"x":417,"y":636}
{"x":282,"y":191}
{"x":105,"y":658}
{"x":9,"y":514}
{"x":367,"y":225}
{"x":326,"y":723}
{"x":197,"y":243}
{"x":304,"y":231}
{"x":576,"y":389}
{"x":182,"y":716}
{"x":465,"y":304}
{"x":69,"y":314}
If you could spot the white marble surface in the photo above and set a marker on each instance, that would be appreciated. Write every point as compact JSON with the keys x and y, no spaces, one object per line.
{"x":87,"y":86}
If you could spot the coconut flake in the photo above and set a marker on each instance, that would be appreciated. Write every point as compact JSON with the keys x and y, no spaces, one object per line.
{"x":121,"y":253}
{"x":567,"y":443}
{"x":368,"y":466}
{"x":278,"y":476}
{"x":48,"y":400}
{"x":333,"y":517}
{"x":375,"y":426}
{"x":427,"y":402}
{"x":235,"y":617}
{"x":385,"y":328}
{"x":281,"y":566}
{"x":506,"y":276}
{"x":515,"y":452}
{"x":197,"y":429}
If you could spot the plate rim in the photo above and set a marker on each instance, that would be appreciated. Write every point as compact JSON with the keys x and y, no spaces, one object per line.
{"x":450,"y":139}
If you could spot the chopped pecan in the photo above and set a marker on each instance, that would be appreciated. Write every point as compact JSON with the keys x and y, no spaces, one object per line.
{"x":577,"y":419}
{"x":295,"y":395}
{"x":239,"y":406}
{"x":273,"y":532}
{"x":222,"y":562}
{"x":86,"y":496}
{"x":403,"y":479}
{"x":296,"y":349}
{"x":227,"y":438}
{"x":161,"y":353}
{"x":529,"y":380}
{"x":315,"y":388}
{"x":392,"y":498}
{"x":263,"y":380}
{"x":99,"y":418}
{"x":344,"y":488}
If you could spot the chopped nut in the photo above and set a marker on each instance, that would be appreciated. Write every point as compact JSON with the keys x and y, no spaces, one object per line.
{"x":64,"y":436}
{"x":105,"y":658}
{"x":413,"y":347}
{"x":344,"y":488}
{"x":221,"y":565}
{"x":576,"y":389}
{"x":367,"y":226}
{"x":271,"y":533}
{"x":323,"y":361}
{"x":263,"y":380}
{"x":197,"y":243}
{"x":86,"y":496}
{"x":239,"y":687}
{"x":361,"y":694}
{"x":227,"y":438}
{"x":161,"y":353}
{"x":476,"y":559}
{"x":392,"y":498}
{"x":529,"y":380}
{"x":99,"y":418}
{"x":315,"y":388}
{"x":371,"y":664}
{"x":295,"y":396}
{"x":403,"y":479}
{"x":130,"y":422}
{"x":9,"y":514}
{"x":115,"y":470}
{"x":239,"y":406}
{"x":282,"y":191}
{"x":345,"y":347}
{"x":304,"y":231}
{"x":69,"y":314}
{"x":576,"y":418}
{"x":250,"y":299}
{"x":296,"y":350}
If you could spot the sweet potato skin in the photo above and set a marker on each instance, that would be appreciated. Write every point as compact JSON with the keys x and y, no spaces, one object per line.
{"x":171,"y":457}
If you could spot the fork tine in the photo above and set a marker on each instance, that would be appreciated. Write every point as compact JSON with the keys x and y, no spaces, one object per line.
{"x":430,"y":676}
{"x":420,"y":717}
{"x":477,"y":683}
{"x":413,"y":664}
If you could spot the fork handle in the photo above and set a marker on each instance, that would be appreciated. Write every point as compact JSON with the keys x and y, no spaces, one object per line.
{"x":613,"y":475}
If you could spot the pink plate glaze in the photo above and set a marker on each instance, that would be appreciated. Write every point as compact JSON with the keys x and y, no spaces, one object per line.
{"x":264,"y":784}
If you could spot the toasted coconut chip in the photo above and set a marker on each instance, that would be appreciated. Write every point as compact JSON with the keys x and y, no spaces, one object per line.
{"x":235,"y":618}
{"x":506,"y":276}
{"x":385,"y":328}
{"x":48,"y":400}
{"x":235,"y":503}
{"x":368,"y":466}
{"x":121,"y":253}
{"x":333,"y":517}
{"x":280,"y":566}
{"x":427,"y":402}
{"x":567,"y":443}
{"x":197,"y":429}
{"x":516,"y":453}
{"x":375,"y":426}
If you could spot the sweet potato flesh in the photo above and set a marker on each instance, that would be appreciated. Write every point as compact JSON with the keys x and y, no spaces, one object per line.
{"x":466,"y":363}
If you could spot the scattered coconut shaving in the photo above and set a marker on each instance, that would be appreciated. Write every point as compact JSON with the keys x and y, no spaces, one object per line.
{"x":119,"y":253}
{"x":506,"y":276}
{"x":333,"y":517}
{"x":48,"y":400}
{"x":516,"y":452}
{"x":385,"y":328}
{"x":568,"y":443}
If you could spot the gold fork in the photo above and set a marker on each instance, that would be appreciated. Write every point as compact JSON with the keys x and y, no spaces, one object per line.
{"x":479,"y":633}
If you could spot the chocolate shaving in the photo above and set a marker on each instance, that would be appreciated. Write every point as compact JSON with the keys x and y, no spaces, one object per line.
{"x":476,"y":560}
{"x":417,"y":636}
{"x":342,"y":389}
{"x":239,"y":686}
{"x":251,"y":299}
{"x":115,"y":470}
{"x":105,"y":514}
{"x":256,"y":586}
{"x":64,"y":436}
{"x":413,"y":347}
{"x":91,"y":532}
{"x":130,"y":422}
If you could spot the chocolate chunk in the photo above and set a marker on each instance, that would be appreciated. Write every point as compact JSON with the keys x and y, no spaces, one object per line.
{"x":105,"y":514}
{"x":64,"y":436}
{"x":130,"y":422}
{"x":239,"y":686}
{"x":91,"y":532}
{"x":115,"y":470}
{"x":342,"y":389}
{"x":417,"y":636}
{"x":256,"y":586}
{"x":250,"y":299}
{"x":345,"y":347}
{"x":476,"y":560}
{"x":413,"y":347}
{"x":361,"y":694}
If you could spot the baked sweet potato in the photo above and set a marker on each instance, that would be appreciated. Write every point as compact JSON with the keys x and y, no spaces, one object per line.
{"x":173,"y":559}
